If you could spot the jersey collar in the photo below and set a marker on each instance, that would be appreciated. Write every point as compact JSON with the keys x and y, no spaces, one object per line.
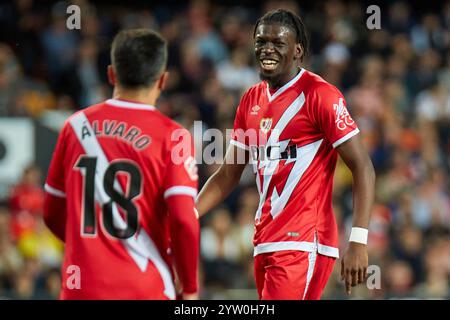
{"x":285,"y":87}
{"x":129,"y":104}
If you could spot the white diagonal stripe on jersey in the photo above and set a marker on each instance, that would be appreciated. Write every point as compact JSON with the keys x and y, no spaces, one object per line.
{"x":312,"y":256}
{"x":140,"y":248}
{"x":270,"y":166}
{"x":258,"y":179}
{"x":287,"y":116}
{"x":305,"y":156}
{"x":239,"y":144}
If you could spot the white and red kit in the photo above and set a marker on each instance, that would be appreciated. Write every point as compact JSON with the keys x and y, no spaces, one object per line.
{"x":293,"y":155}
{"x":120,"y":193}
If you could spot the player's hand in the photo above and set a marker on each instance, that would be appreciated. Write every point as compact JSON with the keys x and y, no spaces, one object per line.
{"x":189,"y":296}
{"x":354,"y":265}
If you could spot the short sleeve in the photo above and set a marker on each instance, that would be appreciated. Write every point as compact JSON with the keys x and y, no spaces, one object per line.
{"x":331,"y":115}
{"x":239,"y":136}
{"x":54,"y":184}
{"x":181,"y":176}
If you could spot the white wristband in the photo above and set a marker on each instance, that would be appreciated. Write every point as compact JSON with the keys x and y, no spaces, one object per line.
{"x":359,"y":235}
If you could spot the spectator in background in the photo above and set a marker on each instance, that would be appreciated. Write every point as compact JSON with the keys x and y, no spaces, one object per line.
{"x":10,"y":258}
{"x":399,"y":17}
{"x":437,"y":265}
{"x":28,"y":195}
{"x":205,"y":39}
{"x":220,"y":250}
{"x":429,"y":34}
{"x":23,"y":287}
{"x":399,"y":280}
{"x":408,"y":246}
{"x":26,"y":201}
{"x":60,"y":47}
{"x":32,"y":238}
{"x":40,"y":244}
{"x":236,"y":74}
{"x":20,"y":95}
{"x":431,"y":204}
{"x":336,"y":56}
{"x":245,"y":221}
{"x":92,"y":91}
{"x":9,"y":74}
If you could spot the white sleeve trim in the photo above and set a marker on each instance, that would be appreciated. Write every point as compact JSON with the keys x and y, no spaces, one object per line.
{"x":239,"y":144}
{"x":328,"y":251}
{"x":346,"y":137}
{"x":180,"y":190}
{"x":54,"y":192}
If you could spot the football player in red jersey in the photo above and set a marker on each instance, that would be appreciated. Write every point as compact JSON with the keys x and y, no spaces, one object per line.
{"x":293,"y":138}
{"x":118,"y":195}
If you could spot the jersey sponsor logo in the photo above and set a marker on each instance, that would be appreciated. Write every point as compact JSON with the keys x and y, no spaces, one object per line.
{"x":343,"y":118}
{"x":190,"y":165}
{"x":265,"y":124}
{"x":274,"y":152}
{"x":255,"y":110}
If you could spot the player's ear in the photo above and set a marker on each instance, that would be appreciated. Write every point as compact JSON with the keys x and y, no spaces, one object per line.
{"x":298,"y":52}
{"x":111,"y":75}
{"x":163,"y":80}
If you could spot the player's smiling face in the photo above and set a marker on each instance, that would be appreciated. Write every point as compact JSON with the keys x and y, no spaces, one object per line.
{"x":277,"y":53}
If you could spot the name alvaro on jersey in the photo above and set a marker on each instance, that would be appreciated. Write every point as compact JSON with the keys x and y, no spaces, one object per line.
{"x":122,"y":130}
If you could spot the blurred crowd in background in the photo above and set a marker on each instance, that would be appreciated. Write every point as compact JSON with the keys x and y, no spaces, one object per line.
{"x":396,"y":81}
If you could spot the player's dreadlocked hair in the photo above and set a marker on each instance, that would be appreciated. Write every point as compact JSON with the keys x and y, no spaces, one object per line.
{"x":289,"y":19}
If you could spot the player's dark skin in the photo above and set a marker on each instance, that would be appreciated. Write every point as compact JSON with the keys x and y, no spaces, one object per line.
{"x":276,"y":42}
{"x":278,"y":56}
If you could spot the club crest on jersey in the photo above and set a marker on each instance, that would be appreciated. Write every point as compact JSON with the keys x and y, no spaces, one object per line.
{"x":265,"y":124}
{"x":255,"y":110}
{"x":343,"y":118}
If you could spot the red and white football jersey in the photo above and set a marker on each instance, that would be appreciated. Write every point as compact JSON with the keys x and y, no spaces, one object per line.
{"x":293,"y":155}
{"x":117,"y":165}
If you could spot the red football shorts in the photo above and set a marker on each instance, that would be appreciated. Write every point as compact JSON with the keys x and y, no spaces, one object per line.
{"x":292,"y":275}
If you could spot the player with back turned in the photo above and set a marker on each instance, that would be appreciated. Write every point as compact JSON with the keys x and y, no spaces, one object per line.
{"x":302,"y":125}
{"x":118,"y":195}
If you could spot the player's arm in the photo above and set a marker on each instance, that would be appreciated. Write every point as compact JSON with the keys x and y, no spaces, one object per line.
{"x":55,"y":194}
{"x":331,"y":116}
{"x":185,"y":237}
{"x":55,"y":214}
{"x":227,"y":177}
{"x":223,"y":181}
{"x":180,"y":190}
{"x":354,"y":263}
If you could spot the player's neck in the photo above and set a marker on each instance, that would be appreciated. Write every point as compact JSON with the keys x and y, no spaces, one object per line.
{"x":277,"y":84}
{"x":145,"y":96}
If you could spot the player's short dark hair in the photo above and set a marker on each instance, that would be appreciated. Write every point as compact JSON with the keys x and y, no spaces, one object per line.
{"x":289,"y":19}
{"x":138,"y":56}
